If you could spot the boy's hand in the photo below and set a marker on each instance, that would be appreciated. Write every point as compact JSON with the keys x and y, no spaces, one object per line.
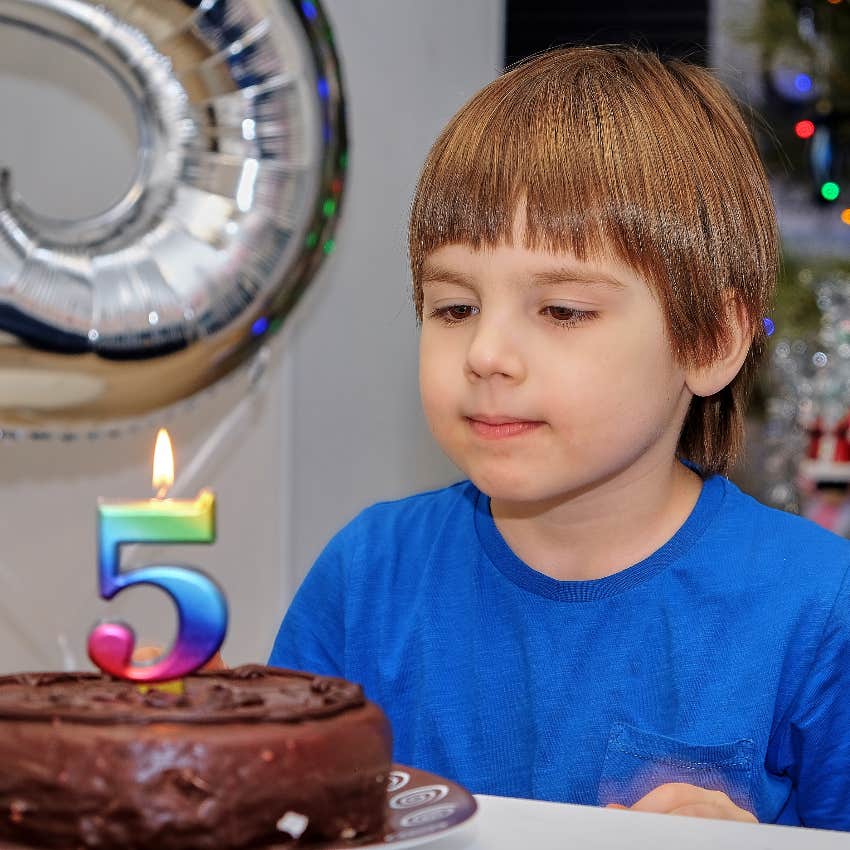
{"x":679,"y":798}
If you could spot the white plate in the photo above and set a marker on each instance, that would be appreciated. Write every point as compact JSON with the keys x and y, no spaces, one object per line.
{"x":421,"y":807}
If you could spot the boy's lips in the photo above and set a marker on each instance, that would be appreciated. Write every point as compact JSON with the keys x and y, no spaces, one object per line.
{"x":498,"y":427}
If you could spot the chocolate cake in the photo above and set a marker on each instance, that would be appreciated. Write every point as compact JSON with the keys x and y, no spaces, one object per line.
{"x":243,"y":757}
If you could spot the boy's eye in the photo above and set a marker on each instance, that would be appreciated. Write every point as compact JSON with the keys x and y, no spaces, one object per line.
{"x":453,"y":313}
{"x":569,"y":316}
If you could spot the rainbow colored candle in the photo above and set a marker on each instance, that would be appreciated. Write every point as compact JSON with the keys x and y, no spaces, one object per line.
{"x":200,"y":602}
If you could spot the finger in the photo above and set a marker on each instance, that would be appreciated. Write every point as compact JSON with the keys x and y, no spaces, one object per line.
{"x":615,"y":806}
{"x":699,"y":810}
{"x":718,"y":811}
{"x":669,"y":796}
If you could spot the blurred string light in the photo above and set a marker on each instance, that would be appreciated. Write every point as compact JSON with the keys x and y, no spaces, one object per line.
{"x":800,"y":77}
{"x":803,"y":83}
{"x":830,"y":190}
{"x":821,"y":157}
{"x":804,"y":129}
{"x":260,"y":326}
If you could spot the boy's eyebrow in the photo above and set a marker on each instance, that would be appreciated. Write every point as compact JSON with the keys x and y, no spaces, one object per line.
{"x":572,"y":274}
{"x":432,"y":273}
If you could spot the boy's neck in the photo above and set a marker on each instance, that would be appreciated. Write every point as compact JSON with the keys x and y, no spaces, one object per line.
{"x":600,"y":533}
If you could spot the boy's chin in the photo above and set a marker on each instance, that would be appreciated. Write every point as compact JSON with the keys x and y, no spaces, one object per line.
{"x":513,"y":491}
{"x":534,"y":490}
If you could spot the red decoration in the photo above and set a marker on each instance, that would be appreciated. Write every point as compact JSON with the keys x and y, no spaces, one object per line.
{"x":804,"y":129}
{"x":828,"y":451}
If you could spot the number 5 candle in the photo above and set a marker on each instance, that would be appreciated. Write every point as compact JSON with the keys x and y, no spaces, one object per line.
{"x":201,"y":606}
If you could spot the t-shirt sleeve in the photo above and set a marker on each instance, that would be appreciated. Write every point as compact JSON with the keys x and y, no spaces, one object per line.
{"x":815,"y":751}
{"x":312,"y":634}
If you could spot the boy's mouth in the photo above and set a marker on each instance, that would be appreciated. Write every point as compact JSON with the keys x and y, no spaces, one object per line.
{"x":499,"y":427}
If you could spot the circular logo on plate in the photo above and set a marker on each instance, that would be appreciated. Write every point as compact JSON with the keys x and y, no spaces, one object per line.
{"x":428,"y":815}
{"x":398,"y":779}
{"x":419,"y":796}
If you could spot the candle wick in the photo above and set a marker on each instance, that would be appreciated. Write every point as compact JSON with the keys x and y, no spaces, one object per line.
{"x":162,"y":492}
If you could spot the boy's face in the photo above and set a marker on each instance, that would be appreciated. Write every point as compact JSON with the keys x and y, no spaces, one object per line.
{"x":512,"y":335}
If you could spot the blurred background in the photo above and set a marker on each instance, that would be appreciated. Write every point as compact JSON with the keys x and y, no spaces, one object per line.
{"x":327,"y":419}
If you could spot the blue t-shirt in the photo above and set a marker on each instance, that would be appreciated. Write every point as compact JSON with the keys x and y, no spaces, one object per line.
{"x":721,"y":660}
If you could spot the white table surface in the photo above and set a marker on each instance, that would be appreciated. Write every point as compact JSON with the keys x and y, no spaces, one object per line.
{"x":504,"y":823}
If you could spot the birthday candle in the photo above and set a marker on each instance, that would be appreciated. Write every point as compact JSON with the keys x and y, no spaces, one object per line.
{"x":200,"y":603}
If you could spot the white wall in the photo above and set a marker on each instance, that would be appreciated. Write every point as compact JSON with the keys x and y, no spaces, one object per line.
{"x":338,"y":424}
{"x":359,"y":432}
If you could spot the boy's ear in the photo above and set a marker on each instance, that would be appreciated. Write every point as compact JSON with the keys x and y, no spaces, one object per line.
{"x":709,"y":378}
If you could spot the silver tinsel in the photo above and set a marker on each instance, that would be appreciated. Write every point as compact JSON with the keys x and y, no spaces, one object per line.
{"x":808,"y":380}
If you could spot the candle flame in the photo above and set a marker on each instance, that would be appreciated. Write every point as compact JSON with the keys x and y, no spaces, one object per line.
{"x":163,"y":464}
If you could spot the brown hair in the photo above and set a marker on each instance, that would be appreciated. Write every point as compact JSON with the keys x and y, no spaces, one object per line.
{"x":618,"y":153}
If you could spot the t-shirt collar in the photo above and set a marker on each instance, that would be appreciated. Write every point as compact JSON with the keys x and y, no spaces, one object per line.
{"x":521,"y":574}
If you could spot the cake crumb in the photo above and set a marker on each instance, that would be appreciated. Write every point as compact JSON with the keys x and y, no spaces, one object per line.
{"x":17,"y":809}
{"x":293,"y":824}
{"x":348,"y":832}
{"x":267,"y":755}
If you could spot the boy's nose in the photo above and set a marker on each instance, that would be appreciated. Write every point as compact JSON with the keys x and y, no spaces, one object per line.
{"x":493,"y":350}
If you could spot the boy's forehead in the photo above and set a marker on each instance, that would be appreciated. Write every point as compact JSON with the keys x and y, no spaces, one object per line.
{"x":456,"y":261}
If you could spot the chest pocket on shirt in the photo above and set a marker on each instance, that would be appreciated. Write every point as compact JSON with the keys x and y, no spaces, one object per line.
{"x":638,"y":761}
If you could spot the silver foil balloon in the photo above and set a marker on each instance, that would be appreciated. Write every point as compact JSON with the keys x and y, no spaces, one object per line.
{"x":239,"y":177}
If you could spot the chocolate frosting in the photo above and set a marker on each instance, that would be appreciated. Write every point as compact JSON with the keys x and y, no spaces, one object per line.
{"x":241,"y":694}
{"x":92,"y":762}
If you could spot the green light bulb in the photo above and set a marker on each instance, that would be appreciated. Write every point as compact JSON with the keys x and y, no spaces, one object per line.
{"x":830,"y":191}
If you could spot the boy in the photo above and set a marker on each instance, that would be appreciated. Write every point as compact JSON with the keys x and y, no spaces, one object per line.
{"x":597,"y":615}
